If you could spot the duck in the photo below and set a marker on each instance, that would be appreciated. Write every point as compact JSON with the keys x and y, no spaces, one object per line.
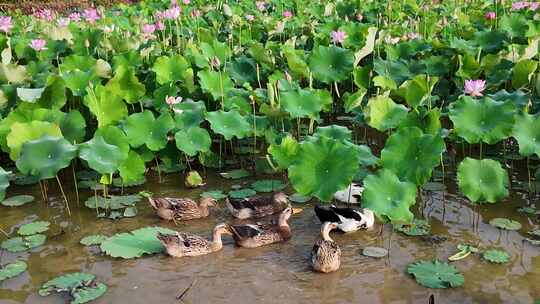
{"x":257,"y":206}
{"x":186,"y":244}
{"x":326,"y":254}
{"x":181,"y":209}
{"x":347,"y":219}
{"x":350,"y":195}
{"x":257,"y":235}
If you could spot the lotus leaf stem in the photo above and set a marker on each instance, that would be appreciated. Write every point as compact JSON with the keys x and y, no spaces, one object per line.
{"x":63,"y":194}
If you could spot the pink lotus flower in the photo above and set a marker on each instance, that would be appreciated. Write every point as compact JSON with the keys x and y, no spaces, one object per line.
{"x":261,"y":5}
{"x":490,"y":15}
{"x":75,"y":17}
{"x":338,"y":36}
{"x":160,"y":25}
{"x":516,"y":6}
{"x":534,"y":6}
{"x":287,"y":14}
{"x":45,"y":14}
{"x":250,"y":18}
{"x":63,"y":22}
{"x":91,"y":15}
{"x":171,"y":100}
{"x":172,"y":13}
{"x":5,"y":24}
{"x":186,"y":2}
{"x":195,"y":13}
{"x":148,"y":29}
{"x":475,"y":87}
{"x":38,"y":45}
{"x":174,"y":2}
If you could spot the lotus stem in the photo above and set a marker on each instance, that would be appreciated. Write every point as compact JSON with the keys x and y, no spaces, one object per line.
{"x":75,"y":182}
{"x":63,"y":194}
{"x":95,"y":198}
{"x":529,"y":173}
{"x":158,"y":169}
{"x":442,"y":167}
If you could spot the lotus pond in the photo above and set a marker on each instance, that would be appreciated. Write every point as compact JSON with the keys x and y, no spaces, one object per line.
{"x":433,"y":108}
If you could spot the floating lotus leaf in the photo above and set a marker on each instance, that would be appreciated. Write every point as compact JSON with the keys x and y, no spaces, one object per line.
{"x":527,"y":133}
{"x":34,"y":228}
{"x":132,"y":169}
{"x":171,"y":69}
{"x":73,"y":127}
{"x":412,"y":155}
{"x":119,"y":182}
{"x":81,"y":286}
{"x":285,"y":153}
{"x":105,"y":105}
{"x":268,"y":185}
{"x":506,"y":224}
{"x":215,"y":194}
{"x":17,"y":200}
{"x":92,"y":240}
{"x":29,"y":95}
{"x":375,"y":252}
{"x":482,"y":180}
{"x":4,"y":183}
{"x":18,"y":244}
{"x":45,"y":156}
{"x":526,"y":210}
{"x":134,"y":244}
{"x":113,"y":202}
{"x":193,"y":140}
{"x":482,"y":120}
{"x":88,"y":293}
{"x":322,"y":167}
{"x":435,"y":274}
{"x":126,"y":85}
{"x":217,"y":84}
{"x":301,"y":103}
{"x":235,"y":174}
{"x":242,"y":193}
{"x":331,"y":64}
{"x":12,"y":270}
{"x":416,"y":228}
{"x":496,"y":256}
{"x":382,"y":113}
{"x":24,"y":132}
{"x":193,"y":179}
{"x":388,"y":197}
{"x":229,"y":124}
{"x":101,"y":156}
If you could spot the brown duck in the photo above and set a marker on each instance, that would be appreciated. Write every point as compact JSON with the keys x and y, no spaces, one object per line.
{"x":257,"y":206}
{"x":326,"y":255}
{"x":187,"y":244}
{"x":256,"y":235}
{"x":181,"y":209}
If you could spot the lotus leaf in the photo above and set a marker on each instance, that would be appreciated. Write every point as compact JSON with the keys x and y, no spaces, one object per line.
{"x":353,"y":101}
{"x":506,"y":224}
{"x":428,"y":121}
{"x":29,"y":95}
{"x":527,"y":133}
{"x":523,"y":72}
{"x":382,"y":113}
{"x":482,"y":120}
{"x":284,"y":154}
{"x":4,"y":183}
{"x":235,"y":174}
{"x":242,"y":193}
{"x":34,"y":228}
{"x":535,"y":232}
{"x":24,"y":132}
{"x":375,"y":252}
{"x":92,"y":240}
{"x":496,"y":256}
{"x":189,"y":114}
{"x":193,"y":140}
{"x":18,"y":244}
{"x":388,"y":197}
{"x":412,"y":155}
{"x":134,"y":244}
{"x":435,"y":274}
{"x":81,"y":286}
{"x":416,"y":228}
{"x":331,"y":64}
{"x":334,"y":131}
{"x":105,"y":105}
{"x":126,"y":85}
{"x":88,"y":293}
{"x":305,"y":103}
{"x":215,"y":194}
{"x":268,"y":185}
{"x":17,"y":200}
{"x":45,"y":156}
{"x":12,"y":270}
{"x":217,"y":84}
{"x":113,"y":202}
{"x":171,"y":69}
{"x":73,"y":127}
{"x":101,"y":156}
{"x":132,"y":169}
{"x":482,"y":180}
{"x":417,"y":90}
{"x":193,"y":179}
{"x":229,"y":124}
{"x":322,"y":167}
{"x":243,"y":69}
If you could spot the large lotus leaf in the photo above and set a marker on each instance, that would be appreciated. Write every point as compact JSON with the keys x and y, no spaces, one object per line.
{"x":24,"y":132}
{"x":138,"y":127}
{"x":101,"y":156}
{"x":285,"y":153}
{"x":73,"y":127}
{"x":482,"y":180}
{"x":496,"y":256}
{"x":34,"y":228}
{"x":388,"y":197}
{"x":126,"y":85}
{"x":217,"y":84}
{"x":305,"y":103}
{"x":242,"y":70}
{"x":331,"y":64}
{"x":295,"y":61}
{"x":171,"y":69}
{"x":135,"y":243}
{"x":268,"y":185}
{"x":113,"y":135}
{"x":92,"y":240}
{"x":45,"y":156}
{"x":523,"y":72}
{"x":4,"y":183}
{"x":159,"y":132}
{"x":353,"y":101}
{"x":12,"y":270}
{"x":382,"y":113}
{"x":19,"y":244}
{"x":335,"y":132}
{"x":132,"y":168}
{"x":191,"y":114}
{"x":105,"y":105}
{"x":54,"y":95}
{"x":527,"y":133}
{"x":17,"y":200}
{"x":229,"y":124}
{"x":193,"y":140}
{"x":412,"y":155}
{"x":77,"y":81}
{"x":417,"y":90}
{"x":427,"y":120}
{"x":322,"y":167}
{"x":482,"y":120}
{"x":435,"y":274}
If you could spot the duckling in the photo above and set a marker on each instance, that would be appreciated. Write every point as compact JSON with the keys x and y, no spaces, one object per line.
{"x":348,"y":219}
{"x":326,"y":255}
{"x":186,"y":244}
{"x":181,"y":208}
{"x":256,"y":235}
{"x":257,"y":206}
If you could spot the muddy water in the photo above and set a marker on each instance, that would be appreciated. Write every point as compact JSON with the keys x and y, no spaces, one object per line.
{"x":278,"y":273}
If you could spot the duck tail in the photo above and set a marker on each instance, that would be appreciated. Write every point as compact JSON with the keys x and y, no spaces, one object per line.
{"x":165,"y":239}
{"x":230,"y":207}
{"x":153,"y":203}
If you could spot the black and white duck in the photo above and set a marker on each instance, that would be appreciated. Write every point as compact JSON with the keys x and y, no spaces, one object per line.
{"x":347,"y":219}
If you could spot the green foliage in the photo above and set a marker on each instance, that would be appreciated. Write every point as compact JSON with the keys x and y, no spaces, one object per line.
{"x":242,"y":193}
{"x":4,"y":183}
{"x":126,"y":85}
{"x":193,"y":179}
{"x":496,"y":256}
{"x":45,"y":156}
{"x":105,"y":105}
{"x":25,"y":132}
{"x":81,"y":286}
{"x":19,"y":244}
{"x":17,"y":200}
{"x":435,"y":274}
{"x":382,"y":113}
{"x":193,"y":140}
{"x":217,"y":84}
{"x":12,"y":270}
{"x":506,"y":224}
{"x":527,"y":133}
{"x":34,"y":228}
{"x":134,"y":244}
{"x":284,"y":154}
{"x":101,"y":156}
{"x":235,"y":174}
{"x":331,"y":64}
{"x":229,"y":124}
{"x":267,"y":185}
{"x":482,"y":180}
{"x":92,"y":240}
{"x":416,"y":228}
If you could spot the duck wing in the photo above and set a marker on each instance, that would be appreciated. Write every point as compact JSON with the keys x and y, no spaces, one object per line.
{"x":348,"y":213}
{"x":247,"y":231}
{"x":192,"y":240}
{"x":326,"y":215}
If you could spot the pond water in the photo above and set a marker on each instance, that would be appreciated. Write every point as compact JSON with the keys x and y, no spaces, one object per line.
{"x":278,"y":273}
